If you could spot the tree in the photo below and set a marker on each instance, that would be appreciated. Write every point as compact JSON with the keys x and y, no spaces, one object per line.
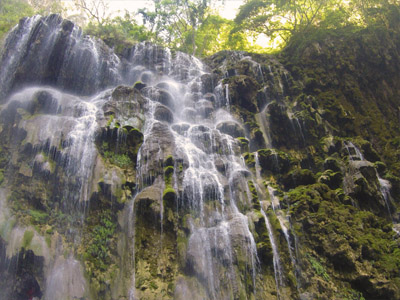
{"x":45,"y":7}
{"x":95,"y":10}
{"x":175,"y":22}
{"x":119,"y":32}
{"x":215,"y":35}
{"x":10,"y":13}
{"x":285,"y":18}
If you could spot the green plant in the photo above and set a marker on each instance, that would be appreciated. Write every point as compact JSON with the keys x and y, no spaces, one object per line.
{"x":318,"y":268}
{"x":110,"y":120}
{"x":121,"y":160}
{"x":97,"y":251}
{"x":38,"y":217}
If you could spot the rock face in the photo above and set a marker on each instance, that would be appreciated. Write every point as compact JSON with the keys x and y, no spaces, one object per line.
{"x":156,"y":176}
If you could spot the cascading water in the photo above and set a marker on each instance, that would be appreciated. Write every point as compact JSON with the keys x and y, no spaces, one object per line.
{"x":384,"y":186}
{"x":278,"y":270}
{"x":155,"y":169}
{"x":216,"y":225}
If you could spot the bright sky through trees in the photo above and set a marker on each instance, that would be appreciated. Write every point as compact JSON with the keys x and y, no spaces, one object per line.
{"x":227,"y":8}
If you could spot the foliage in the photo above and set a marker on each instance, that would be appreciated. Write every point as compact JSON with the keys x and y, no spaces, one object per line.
{"x":10,"y":12}
{"x":38,"y":217}
{"x":97,"y":252}
{"x":121,"y":160}
{"x":45,"y":7}
{"x":175,"y":22}
{"x":93,"y":10}
{"x":280,"y":20}
{"x":215,"y":34}
{"x":318,"y":268}
{"x":119,"y":32}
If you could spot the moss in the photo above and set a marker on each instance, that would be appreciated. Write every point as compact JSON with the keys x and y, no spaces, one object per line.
{"x":298,"y":177}
{"x":350,"y":294}
{"x":169,"y":194}
{"x":244,"y":144}
{"x":168,"y":172}
{"x":169,"y":161}
{"x":274,"y":161}
{"x":249,"y":158}
{"x":27,"y":238}
{"x":253,"y":194}
{"x":139,"y":85}
{"x":110,"y":120}
{"x":380,"y":167}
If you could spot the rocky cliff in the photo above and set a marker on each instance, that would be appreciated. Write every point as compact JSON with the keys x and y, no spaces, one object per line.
{"x":153,"y":175}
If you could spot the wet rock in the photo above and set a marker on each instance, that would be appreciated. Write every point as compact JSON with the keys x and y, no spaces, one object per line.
{"x":209,"y":81}
{"x":160,"y":95}
{"x":66,"y":279}
{"x":332,"y":164}
{"x":273,"y":161}
{"x":243,"y":92}
{"x":232,"y":128}
{"x":180,"y":128}
{"x":139,"y":85}
{"x":366,"y":168}
{"x":21,"y":275}
{"x":126,"y":107}
{"x":189,"y":114}
{"x":332,"y":179}
{"x":298,"y":177}
{"x":204,"y":107}
{"x":158,"y":146}
{"x":163,"y":113}
{"x":210,"y":97}
{"x":58,"y":54}
{"x":184,"y":291}
{"x":43,"y":103}
{"x":147,"y":202}
{"x":220,"y":165}
{"x":283,"y":132}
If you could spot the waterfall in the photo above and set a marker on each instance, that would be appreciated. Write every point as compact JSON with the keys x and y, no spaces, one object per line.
{"x":384,"y":185}
{"x":169,"y":213}
{"x":197,"y":142}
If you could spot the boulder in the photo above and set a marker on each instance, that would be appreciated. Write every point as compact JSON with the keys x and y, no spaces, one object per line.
{"x":298,"y":177}
{"x":160,"y":95}
{"x":232,"y":128}
{"x":163,"y":113}
{"x":272,"y":160}
{"x":204,"y":108}
{"x":243,"y":92}
{"x":147,"y":202}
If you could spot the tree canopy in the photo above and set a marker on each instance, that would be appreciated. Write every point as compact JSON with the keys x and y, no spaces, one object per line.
{"x":283,"y":19}
{"x":193,"y":26}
